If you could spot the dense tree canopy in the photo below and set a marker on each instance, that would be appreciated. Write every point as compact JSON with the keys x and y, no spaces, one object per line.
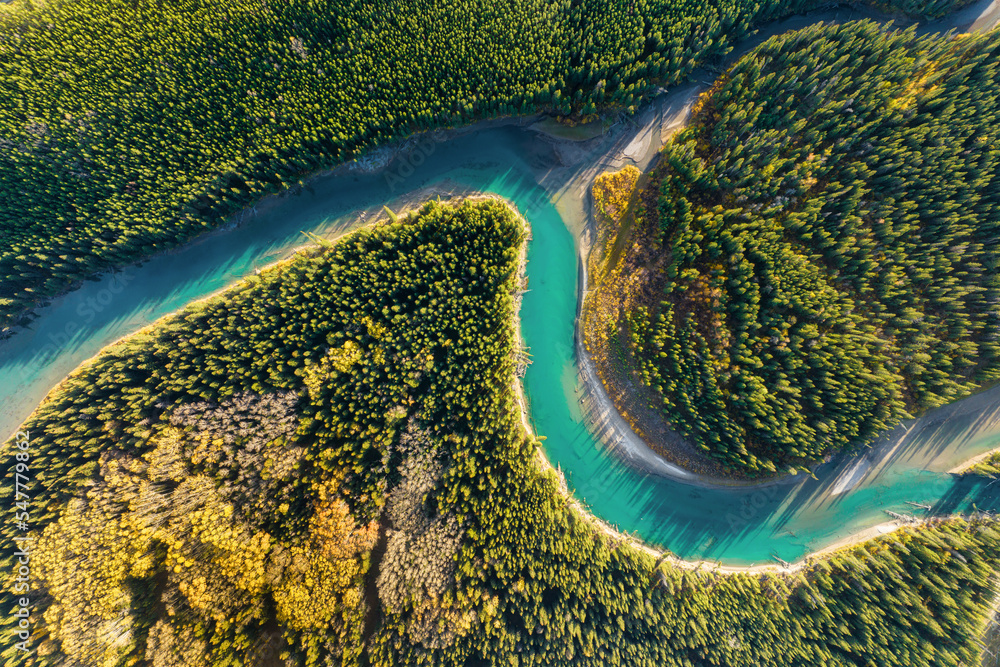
{"x":832,"y":227}
{"x":128,"y":126}
{"x":212,"y":492}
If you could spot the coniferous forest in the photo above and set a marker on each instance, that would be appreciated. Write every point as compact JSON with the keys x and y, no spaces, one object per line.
{"x":326,"y":465}
{"x":829,"y":225}
{"x":126,"y":126}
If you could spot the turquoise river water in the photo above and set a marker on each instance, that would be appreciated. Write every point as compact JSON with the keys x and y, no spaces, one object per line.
{"x":734,"y":525}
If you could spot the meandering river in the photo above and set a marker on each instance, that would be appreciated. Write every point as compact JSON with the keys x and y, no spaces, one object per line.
{"x":547,"y":179}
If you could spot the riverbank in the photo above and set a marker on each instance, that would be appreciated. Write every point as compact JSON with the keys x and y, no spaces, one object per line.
{"x":610,"y":394}
{"x":975,"y":460}
{"x":628,"y":271}
{"x":776,"y":567}
{"x":642,"y":457}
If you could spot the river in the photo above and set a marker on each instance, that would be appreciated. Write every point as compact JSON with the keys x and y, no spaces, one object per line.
{"x":547,"y":179}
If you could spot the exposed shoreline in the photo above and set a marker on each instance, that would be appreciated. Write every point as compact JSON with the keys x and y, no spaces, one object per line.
{"x":964,"y":467}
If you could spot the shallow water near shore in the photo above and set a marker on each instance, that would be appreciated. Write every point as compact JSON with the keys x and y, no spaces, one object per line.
{"x":546,"y":180}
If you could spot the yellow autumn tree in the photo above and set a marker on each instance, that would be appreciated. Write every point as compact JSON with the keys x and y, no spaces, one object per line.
{"x":613,"y":191}
{"x":321,"y":579}
{"x":85,"y":559}
{"x":216,"y":562}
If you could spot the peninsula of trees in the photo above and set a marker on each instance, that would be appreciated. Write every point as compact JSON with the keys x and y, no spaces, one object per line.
{"x":823,"y":244}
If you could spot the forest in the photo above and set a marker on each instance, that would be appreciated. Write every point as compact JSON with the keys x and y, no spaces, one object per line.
{"x":129,"y":126}
{"x":326,"y":465}
{"x":823,"y":243}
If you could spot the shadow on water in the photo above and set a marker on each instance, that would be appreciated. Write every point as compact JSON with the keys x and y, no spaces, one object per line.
{"x":794,"y":516}
{"x":969,"y":493}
